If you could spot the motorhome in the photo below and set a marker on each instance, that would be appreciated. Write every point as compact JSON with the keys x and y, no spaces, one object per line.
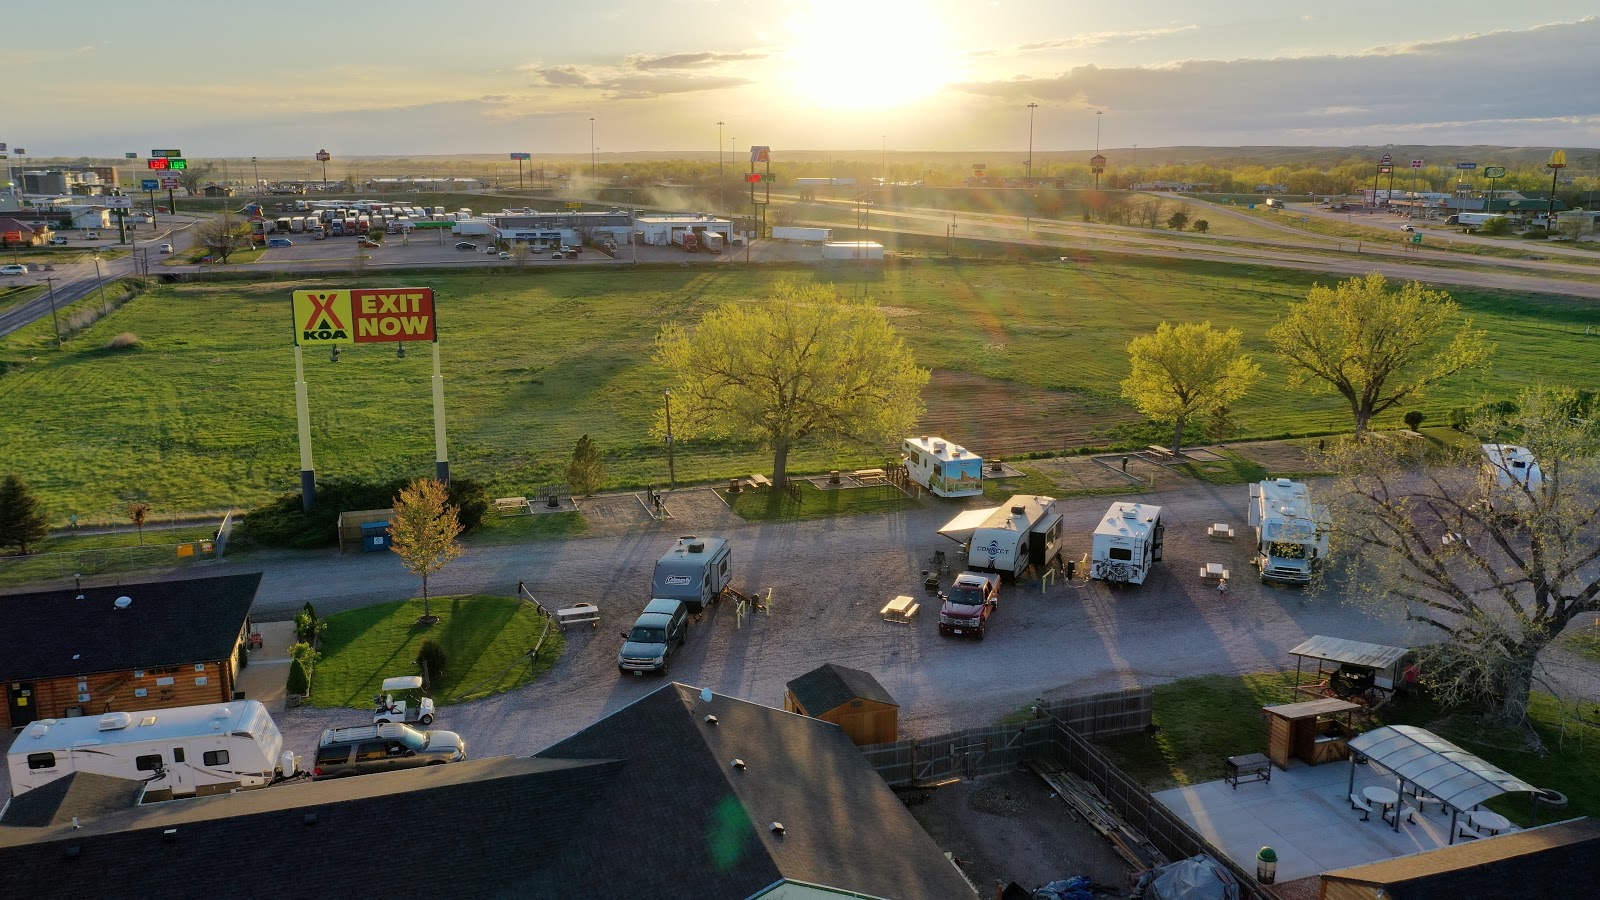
{"x":695,"y":571}
{"x":944,"y":468}
{"x":180,"y":752}
{"x":1291,"y":531}
{"x":1007,"y":539}
{"x":1127,"y":543}
{"x":1510,"y":474}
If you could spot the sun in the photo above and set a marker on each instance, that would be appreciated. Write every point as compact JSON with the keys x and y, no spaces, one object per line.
{"x":867,"y":54}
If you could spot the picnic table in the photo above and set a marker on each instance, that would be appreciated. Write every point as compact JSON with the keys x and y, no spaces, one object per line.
{"x":1214,"y":570}
{"x":513,"y":506}
{"x":578,"y":614}
{"x":1220,"y":529}
{"x":900,"y":610}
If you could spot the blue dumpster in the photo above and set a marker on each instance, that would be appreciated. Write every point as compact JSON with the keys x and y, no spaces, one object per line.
{"x":375,"y":536}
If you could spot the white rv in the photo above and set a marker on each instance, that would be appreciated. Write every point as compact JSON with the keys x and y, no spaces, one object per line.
{"x":1127,"y":543}
{"x":181,"y":752}
{"x":1008,"y":539}
{"x":945,"y":469}
{"x":1291,"y":532}
{"x":1510,"y":473}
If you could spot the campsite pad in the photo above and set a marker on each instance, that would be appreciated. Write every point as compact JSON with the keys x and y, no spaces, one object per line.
{"x":1083,"y":473}
{"x":1280,"y":457}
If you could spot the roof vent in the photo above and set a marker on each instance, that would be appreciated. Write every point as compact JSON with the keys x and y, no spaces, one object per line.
{"x":738,"y":763}
{"x":115,"y":721}
{"x":1284,"y":482}
{"x":123,"y":602}
{"x":938,"y":446}
{"x":1019,"y":510}
{"x":711,"y":720}
{"x":957,"y":452}
{"x":1130,"y":512}
{"x":697,"y":547}
{"x":776,"y":828}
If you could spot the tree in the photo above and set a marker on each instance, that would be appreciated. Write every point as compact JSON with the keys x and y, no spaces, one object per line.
{"x":803,"y":363}
{"x":1202,"y":226}
{"x":138,"y":512}
{"x":1498,"y":566}
{"x":1178,"y":221}
{"x":1413,"y":419}
{"x":1376,"y":347}
{"x":223,"y":234}
{"x":587,"y":470}
{"x":22,"y":517}
{"x":1495,"y":227}
{"x":1187,"y":369}
{"x":424,"y":532}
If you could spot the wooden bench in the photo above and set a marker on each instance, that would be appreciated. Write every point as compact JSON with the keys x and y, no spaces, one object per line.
{"x":513,"y":506}
{"x":580,"y":614}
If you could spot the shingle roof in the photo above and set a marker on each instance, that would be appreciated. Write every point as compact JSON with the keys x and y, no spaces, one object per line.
{"x":830,"y":686}
{"x":80,"y":794}
{"x":1526,"y":865}
{"x":50,"y":634}
{"x":686,"y":812}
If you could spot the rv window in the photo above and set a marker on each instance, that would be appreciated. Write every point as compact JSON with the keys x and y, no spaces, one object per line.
{"x":1121,"y":553}
{"x":938,"y":469}
{"x":41,"y":760}
{"x":177,"y":754}
{"x":149,"y":763}
{"x":372,"y":750}
{"x":724,"y":567}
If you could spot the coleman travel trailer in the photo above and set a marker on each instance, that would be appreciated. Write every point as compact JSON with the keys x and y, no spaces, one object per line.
{"x":945,"y":469}
{"x":181,"y":752}
{"x":1007,"y":539}
{"x":695,"y":570}
{"x":1127,"y":543}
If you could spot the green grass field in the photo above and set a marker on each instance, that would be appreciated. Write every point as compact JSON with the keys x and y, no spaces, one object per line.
{"x":482,"y":637}
{"x":201,"y":415}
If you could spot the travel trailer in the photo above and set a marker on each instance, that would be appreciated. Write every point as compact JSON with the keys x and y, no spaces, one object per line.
{"x":945,"y":469}
{"x":1127,"y":543}
{"x":1007,"y":539}
{"x":695,"y":571}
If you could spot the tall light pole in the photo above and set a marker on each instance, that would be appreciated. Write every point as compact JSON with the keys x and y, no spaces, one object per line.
{"x":884,"y":162}
{"x":101,"y":282}
{"x":672,"y":473}
{"x":53,"y":320}
{"x":1031,"y":108}
{"x":257,"y":169}
{"x":1097,"y":131}
{"x":720,"y":204}
{"x":591,"y":148}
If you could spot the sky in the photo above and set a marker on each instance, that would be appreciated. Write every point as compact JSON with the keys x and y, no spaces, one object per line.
{"x":404,"y":77}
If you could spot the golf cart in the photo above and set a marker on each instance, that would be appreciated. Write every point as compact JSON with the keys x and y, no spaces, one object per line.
{"x":402,"y":700}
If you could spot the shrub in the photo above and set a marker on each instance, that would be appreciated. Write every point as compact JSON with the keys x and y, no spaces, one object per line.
{"x":1536,"y":233}
{"x":124,"y":341}
{"x":1414,"y":419}
{"x":299,"y":681}
{"x":434,"y":663}
{"x":1458,"y":418}
{"x":283,"y":523}
{"x":1202,"y":226}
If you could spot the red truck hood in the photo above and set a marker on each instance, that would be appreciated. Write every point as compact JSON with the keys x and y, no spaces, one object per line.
{"x":961,"y":610}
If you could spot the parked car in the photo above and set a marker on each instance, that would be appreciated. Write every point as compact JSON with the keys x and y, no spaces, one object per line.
{"x":364,"y":749}
{"x":661,"y":628}
{"x":91,"y":235}
{"x":466,"y":245}
{"x":572,"y":252}
{"x":279,"y":242}
{"x":165,"y":248}
{"x":13,"y":269}
{"x":558,"y":255}
{"x":58,"y":240}
{"x":370,"y":244}
{"x":504,"y":255}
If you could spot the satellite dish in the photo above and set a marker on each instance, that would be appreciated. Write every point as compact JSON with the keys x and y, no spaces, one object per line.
{"x":705,"y":695}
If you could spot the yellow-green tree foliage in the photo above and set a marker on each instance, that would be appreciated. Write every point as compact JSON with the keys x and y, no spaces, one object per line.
{"x":424,"y":531}
{"x":802,"y":363}
{"x":1186,"y":370}
{"x":1376,"y":347}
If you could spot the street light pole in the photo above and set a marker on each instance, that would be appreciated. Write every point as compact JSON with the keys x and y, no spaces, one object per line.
{"x":1031,"y":108}
{"x":591,"y":148}
{"x":672,"y":473}
{"x":53,"y":320}
{"x":721,"y":206}
{"x":257,"y":169}
{"x":100,"y":282}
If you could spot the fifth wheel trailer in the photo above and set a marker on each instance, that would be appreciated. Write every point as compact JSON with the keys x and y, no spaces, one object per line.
{"x":180,"y":752}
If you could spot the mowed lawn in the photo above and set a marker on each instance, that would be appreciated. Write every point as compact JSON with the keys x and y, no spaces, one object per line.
{"x":201,"y":416}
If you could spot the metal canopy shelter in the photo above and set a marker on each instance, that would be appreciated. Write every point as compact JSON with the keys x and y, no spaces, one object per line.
{"x":1376,"y":658}
{"x":1441,"y":769}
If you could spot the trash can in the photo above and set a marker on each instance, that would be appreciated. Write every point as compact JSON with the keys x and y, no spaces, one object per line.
{"x":375,"y":536}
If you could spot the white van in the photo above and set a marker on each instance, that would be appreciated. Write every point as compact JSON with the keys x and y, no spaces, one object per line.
{"x":181,"y":752}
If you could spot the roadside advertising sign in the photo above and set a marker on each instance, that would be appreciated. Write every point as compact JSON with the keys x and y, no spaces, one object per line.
{"x":574,"y":206}
{"x":363,"y":316}
{"x":1466,"y":165}
{"x":119,"y":202}
{"x":130,"y":156}
{"x":149,"y":184}
{"x":322,"y":156}
{"x":522,"y":156}
{"x":1416,"y":164}
{"x":1385,"y":170}
{"x":1386,"y":159}
{"x":1494,"y":171}
{"x":760,"y":154}
{"x":171,"y":182}
{"x":166,"y":154}
{"x":159,"y":163}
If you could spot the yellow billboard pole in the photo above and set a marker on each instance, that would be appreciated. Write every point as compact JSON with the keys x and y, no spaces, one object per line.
{"x":302,"y":410}
{"x":441,"y":458}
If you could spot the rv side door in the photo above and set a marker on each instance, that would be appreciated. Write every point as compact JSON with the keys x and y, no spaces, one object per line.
{"x":1157,"y":537}
{"x":1253,"y":514}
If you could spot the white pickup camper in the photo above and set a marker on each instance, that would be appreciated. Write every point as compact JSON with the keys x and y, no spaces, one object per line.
{"x":1291,"y":532}
{"x":180,"y":752}
{"x":944,"y":468}
{"x":1127,"y":543}
{"x":1007,"y":539}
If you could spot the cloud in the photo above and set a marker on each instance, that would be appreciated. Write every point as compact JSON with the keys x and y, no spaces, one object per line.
{"x":563,"y":76}
{"x":688,"y":60}
{"x":1097,"y":38}
{"x":1507,"y":81}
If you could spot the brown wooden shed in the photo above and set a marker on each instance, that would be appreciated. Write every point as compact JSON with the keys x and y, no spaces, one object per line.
{"x":122,"y":648}
{"x":849,"y":698}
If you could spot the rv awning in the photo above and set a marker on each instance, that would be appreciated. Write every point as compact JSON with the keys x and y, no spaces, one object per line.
{"x":961,"y":527}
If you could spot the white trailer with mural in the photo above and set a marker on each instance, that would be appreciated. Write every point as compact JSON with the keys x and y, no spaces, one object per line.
{"x":1007,"y":539}
{"x":1127,"y":543}
{"x":944,"y":468}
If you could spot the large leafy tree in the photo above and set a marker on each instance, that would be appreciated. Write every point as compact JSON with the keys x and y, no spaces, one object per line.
{"x":22,"y":517}
{"x":803,"y":363}
{"x":424,"y":531}
{"x":1187,"y":369}
{"x":1376,"y":347}
{"x":1498,"y":563}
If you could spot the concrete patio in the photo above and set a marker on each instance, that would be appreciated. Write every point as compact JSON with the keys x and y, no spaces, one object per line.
{"x":1304,"y":814}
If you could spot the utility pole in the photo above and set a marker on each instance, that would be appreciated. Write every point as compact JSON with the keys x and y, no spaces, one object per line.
{"x":257,"y":169}
{"x":672,"y":473}
{"x":53,"y":320}
{"x":1031,"y":108}
{"x":721,"y":206}
{"x":591,"y":148}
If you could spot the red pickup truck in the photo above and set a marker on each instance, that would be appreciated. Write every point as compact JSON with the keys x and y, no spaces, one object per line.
{"x":969,"y":604}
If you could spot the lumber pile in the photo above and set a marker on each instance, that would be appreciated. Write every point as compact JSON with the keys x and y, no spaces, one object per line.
{"x":1085,"y":800}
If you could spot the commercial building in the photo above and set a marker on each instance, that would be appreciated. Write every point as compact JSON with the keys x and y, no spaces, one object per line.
{"x":659,"y":230}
